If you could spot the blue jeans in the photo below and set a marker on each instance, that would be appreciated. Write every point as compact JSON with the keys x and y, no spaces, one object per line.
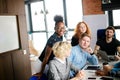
{"x":116,"y":70}
{"x":116,"y":66}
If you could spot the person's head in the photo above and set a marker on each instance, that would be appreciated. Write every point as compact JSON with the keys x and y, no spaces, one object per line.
{"x":82,"y":27}
{"x":84,"y":40}
{"x":109,"y":32}
{"x":61,"y":49}
{"x":59,"y":25}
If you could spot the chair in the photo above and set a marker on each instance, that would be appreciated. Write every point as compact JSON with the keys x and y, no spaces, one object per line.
{"x":32,"y":49}
{"x":43,"y":77}
{"x":33,"y":78}
{"x":100,"y":34}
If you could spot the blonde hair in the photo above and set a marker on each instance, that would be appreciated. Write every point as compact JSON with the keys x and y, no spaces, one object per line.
{"x":60,"y":48}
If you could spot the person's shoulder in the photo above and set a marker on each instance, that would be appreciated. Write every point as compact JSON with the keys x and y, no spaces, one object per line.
{"x":76,"y":46}
{"x":53,"y":35}
{"x":116,"y":39}
{"x":73,"y":36}
{"x":52,"y":61}
{"x":101,"y":40}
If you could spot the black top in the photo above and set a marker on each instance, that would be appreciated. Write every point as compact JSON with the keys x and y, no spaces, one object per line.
{"x":51,"y":41}
{"x":74,"y":41}
{"x":109,"y":48}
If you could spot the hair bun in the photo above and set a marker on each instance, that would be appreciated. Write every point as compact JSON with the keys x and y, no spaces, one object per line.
{"x":58,"y":18}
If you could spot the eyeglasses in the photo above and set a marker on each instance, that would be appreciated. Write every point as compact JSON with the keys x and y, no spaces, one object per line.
{"x":60,"y":28}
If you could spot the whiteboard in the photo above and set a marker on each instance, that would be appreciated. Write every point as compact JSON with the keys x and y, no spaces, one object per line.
{"x":9,"y":39}
{"x":95,"y":22}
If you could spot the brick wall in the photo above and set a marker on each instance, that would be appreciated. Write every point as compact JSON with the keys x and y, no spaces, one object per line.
{"x":92,"y":7}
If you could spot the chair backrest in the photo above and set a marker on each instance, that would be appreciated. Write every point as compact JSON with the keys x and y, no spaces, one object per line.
{"x":100,"y":34}
{"x":43,"y":77}
{"x":33,"y":78}
{"x":32,"y":49}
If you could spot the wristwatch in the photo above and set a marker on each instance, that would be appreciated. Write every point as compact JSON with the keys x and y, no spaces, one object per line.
{"x":91,"y":53}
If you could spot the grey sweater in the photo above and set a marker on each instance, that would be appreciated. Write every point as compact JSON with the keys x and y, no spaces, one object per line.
{"x":60,"y":71}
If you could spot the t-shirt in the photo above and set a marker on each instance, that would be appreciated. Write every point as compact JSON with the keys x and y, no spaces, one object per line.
{"x":51,"y":41}
{"x":109,"y":48}
{"x":74,"y":41}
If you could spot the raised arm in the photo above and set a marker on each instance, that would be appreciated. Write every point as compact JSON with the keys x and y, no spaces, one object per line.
{"x":45,"y":60}
{"x":117,"y":57}
{"x":96,"y":49}
{"x":118,"y":50}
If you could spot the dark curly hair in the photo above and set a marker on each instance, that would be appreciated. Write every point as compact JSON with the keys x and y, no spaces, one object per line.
{"x":57,"y":19}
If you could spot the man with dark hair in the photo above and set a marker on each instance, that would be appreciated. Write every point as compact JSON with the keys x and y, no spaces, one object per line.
{"x":109,"y":44}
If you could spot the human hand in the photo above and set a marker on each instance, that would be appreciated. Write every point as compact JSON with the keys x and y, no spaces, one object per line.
{"x":89,"y":50}
{"x":117,"y":57}
{"x":80,"y":74}
{"x":100,"y":73}
{"x":38,"y":75}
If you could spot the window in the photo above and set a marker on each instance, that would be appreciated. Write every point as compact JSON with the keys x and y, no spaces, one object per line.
{"x":37,"y":16}
{"x":116,"y":18}
{"x":117,"y":34}
{"x":116,"y":23}
{"x":74,"y":12}
{"x":42,"y":13}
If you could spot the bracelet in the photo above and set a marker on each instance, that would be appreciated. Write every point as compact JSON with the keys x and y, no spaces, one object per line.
{"x":91,"y":53}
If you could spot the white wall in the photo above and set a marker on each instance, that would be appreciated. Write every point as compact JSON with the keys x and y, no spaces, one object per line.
{"x":96,"y":22}
{"x":8,"y":33}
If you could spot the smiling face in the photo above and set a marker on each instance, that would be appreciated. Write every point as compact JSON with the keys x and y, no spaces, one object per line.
{"x":60,"y":29}
{"x":109,"y":33}
{"x":82,"y":28}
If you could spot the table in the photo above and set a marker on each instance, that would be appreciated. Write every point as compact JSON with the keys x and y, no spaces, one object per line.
{"x":90,"y":74}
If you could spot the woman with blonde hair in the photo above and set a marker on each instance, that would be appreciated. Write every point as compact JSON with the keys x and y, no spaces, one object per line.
{"x":59,"y":67}
{"x":81,"y":27}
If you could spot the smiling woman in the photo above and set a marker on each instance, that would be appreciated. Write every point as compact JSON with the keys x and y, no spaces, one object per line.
{"x":40,"y":15}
